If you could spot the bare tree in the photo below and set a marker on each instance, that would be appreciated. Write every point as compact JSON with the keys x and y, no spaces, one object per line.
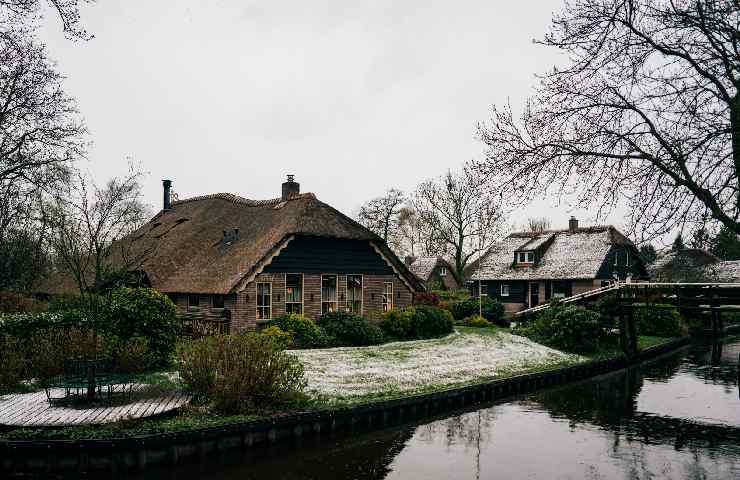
{"x":380,"y":215}
{"x":646,"y":112}
{"x":25,"y":14}
{"x":88,"y":220}
{"x":538,"y":224}
{"x":462,"y":213}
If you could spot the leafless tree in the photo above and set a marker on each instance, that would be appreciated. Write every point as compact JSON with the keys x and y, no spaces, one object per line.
{"x":87,"y":221}
{"x":24,"y":15}
{"x":646,"y":112}
{"x":538,"y":224}
{"x":380,"y":215}
{"x":463,"y":213}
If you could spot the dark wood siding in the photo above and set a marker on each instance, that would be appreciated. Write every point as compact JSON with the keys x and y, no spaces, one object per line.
{"x":635,"y":269}
{"x":307,"y":254}
{"x":517,"y":290}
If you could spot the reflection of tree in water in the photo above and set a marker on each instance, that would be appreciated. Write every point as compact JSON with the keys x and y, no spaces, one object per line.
{"x":468,"y":430}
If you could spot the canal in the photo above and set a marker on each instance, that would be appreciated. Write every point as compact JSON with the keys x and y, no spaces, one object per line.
{"x":676,"y":418}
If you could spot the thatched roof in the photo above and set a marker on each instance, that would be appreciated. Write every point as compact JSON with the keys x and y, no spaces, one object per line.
{"x":423,"y":267}
{"x":566,"y":254}
{"x":685,"y":265}
{"x":194,"y":246}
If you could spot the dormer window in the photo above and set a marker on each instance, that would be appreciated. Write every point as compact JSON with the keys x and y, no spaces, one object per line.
{"x":525,"y":257}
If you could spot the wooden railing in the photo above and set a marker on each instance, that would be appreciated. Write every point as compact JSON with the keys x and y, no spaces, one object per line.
{"x":572,"y":299}
{"x":205,"y":327}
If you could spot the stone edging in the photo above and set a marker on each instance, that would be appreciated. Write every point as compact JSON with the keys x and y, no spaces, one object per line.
{"x":115,"y":455}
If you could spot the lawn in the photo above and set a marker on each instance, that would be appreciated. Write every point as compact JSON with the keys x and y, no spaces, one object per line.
{"x":468,"y":356}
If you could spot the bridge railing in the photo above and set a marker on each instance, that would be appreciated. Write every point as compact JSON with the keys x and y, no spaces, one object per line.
{"x":572,"y":299}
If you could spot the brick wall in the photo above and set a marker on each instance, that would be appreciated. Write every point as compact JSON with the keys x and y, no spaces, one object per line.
{"x":583,"y":286}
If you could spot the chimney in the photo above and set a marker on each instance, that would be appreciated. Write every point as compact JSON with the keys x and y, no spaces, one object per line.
{"x":167,"y":185}
{"x":290,"y":188}
{"x":573,"y":224}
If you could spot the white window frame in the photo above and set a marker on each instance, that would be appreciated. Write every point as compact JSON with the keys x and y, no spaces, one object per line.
{"x":525,"y":256}
{"x":362,"y":290}
{"x":387,"y":299}
{"x":301,"y":303}
{"x":442,"y":271}
{"x":505,"y":290}
{"x":257,"y":302}
{"x":616,"y":258}
{"x":336,"y":293}
{"x":483,"y":290}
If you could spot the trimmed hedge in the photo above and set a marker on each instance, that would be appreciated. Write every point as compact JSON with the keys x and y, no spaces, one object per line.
{"x":421,"y":321}
{"x":492,"y":310}
{"x":348,"y":330}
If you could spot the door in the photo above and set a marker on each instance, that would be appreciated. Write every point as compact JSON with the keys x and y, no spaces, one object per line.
{"x":534,"y":294}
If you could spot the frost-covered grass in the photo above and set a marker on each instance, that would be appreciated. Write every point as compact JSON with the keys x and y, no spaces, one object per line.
{"x":354,"y":374}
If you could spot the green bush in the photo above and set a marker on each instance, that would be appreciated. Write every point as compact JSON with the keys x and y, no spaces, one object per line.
{"x":476,"y":321}
{"x":305,"y":333}
{"x":144,"y":312}
{"x":50,"y":348}
{"x":431,"y":322}
{"x":281,"y":338}
{"x":240,"y":373}
{"x":397,"y":323}
{"x":661,"y":322}
{"x":426,"y":298}
{"x":570,"y":328}
{"x":13,"y":302}
{"x":133,"y":355}
{"x":12,"y":362}
{"x":347,"y":329}
{"x":491,"y":309}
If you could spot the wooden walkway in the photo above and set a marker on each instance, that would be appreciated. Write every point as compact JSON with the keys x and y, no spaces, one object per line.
{"x":32,"y":409}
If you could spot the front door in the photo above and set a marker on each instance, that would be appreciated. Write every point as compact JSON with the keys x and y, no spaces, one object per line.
{"x":534,"y":294}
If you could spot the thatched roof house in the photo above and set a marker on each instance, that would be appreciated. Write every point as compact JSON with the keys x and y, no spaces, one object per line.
{"x":693,"y":265}
{"x":529,"y":268}
{"x":435,"y":273}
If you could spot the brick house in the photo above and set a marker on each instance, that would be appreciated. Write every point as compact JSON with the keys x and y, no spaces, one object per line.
{"x":526,"y":269}
{"x":222,"y":256}
{"x":434,"y":272}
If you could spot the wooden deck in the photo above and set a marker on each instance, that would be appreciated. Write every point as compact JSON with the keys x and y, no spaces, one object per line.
{"x":32,"y":409}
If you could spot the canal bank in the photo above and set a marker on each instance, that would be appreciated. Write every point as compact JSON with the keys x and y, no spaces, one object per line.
{"x":139,"y":453}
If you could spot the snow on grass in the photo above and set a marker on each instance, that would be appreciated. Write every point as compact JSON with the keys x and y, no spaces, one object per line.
{"x":342,"y":374}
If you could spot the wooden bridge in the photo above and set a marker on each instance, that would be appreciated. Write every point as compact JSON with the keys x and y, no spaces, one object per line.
{"x":691,"y":299}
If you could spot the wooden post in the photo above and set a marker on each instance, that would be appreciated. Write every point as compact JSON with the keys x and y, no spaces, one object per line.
{"x":714,"y":312}
{"x":623,"y":329}
{"x":632,"y":331}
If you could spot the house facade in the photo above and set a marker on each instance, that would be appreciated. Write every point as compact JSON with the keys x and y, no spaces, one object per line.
{"x":689,"y":265}
{"x":434,"y":272}
{"x":223,"y":257}
{"x":527,"y":269}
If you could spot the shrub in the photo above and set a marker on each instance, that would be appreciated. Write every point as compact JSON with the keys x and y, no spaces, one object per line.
{"x":13,"y":302}
{"x":661,"y":322}
{"x":144,"y":312}
{"x":347,"y":329}
{"x":240,"y":373}
{"x":431,"y":322}
{"x":397,"y":323}
{"x":50,"y":348}
{"x":133,"y":355}
{"x":492,"y":310}
{"x":305,"y":333}
{"x":426,"y":298}
{"x":476,"y":321}
{"x":12,"y":362}
{"x":281,"y":338}
{"x":569,"y":328}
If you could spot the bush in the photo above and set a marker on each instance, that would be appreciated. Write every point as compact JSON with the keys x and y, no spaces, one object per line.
{"x":305,"y":333}
{"x":281,"y":338}
{"x":50,"y":348}
{"x":431,"y":322}
{"x":13,"y":302}
{"x":240,"y":373}
{"x":12,"y":362}
{"x":426,"y":298}
{"x":476,"y":321}
{"x":660,"y":322}
{"x":347,"y":329}
{"x":133,"y":355}
{"x":569,"y":328}
{"x":492,"y":310}
{"x":144,"y":312}
{"x":398,"y":322}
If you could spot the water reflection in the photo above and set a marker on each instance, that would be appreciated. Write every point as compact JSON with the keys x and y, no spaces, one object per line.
{"x":678,"y":418}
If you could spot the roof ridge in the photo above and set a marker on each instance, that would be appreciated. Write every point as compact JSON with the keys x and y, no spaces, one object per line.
{"x":230,"y":197}
{"x":591,"y":228}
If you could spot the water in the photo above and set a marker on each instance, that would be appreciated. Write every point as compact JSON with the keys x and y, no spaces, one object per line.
{"x":678,"y":418}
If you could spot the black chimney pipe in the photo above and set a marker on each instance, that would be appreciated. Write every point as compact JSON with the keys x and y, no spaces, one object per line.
{"x":291,"y":188}
{"x":167,"y":185}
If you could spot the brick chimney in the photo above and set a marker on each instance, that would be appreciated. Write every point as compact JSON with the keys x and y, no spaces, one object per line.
{"x":167,"y":185}
{"x":290,"y":188}
{"x":573,"y":224}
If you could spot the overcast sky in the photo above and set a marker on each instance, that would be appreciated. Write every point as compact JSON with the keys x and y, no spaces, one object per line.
{"x":351,"y":97}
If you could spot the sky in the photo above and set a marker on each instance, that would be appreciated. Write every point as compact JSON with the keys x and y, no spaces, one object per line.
{"x":352,"y":97}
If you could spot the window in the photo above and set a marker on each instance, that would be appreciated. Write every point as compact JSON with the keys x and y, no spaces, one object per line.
{"x":484,"y":290}
{"x":627,"y":258}
{"x":387,"y":296}
{"x":193,"y":300}
{"x":442,"y":271}
{"x":616,"y":258}
{"x":328,"y":293}
{"x":354,"y":294}
{"x":217,"y":301}
{"x":505,"y":290}
{"x":525,"y":257}
{"x":294,"y":293}
{"x":264,"y":301}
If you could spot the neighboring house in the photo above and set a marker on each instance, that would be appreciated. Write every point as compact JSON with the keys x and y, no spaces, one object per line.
{"x":530,"y":268}
{"x":224,"y":256}
{"x":434,"y":272}
{"x":693,"y":265}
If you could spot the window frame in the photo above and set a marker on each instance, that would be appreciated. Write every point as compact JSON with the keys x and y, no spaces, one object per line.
{"x":386,"y":299}
{"x":213,"y":303}
{"x":442,"y":271}
{"x":483,"y":290}
{"x":525,"y":257}
{"x":362,"y":289}
{"x":505,"y":290}
{"x":336,"y":293}
{"x":257,"y":302}
{"x":197,"y":303}
{"x":301,"y":303}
